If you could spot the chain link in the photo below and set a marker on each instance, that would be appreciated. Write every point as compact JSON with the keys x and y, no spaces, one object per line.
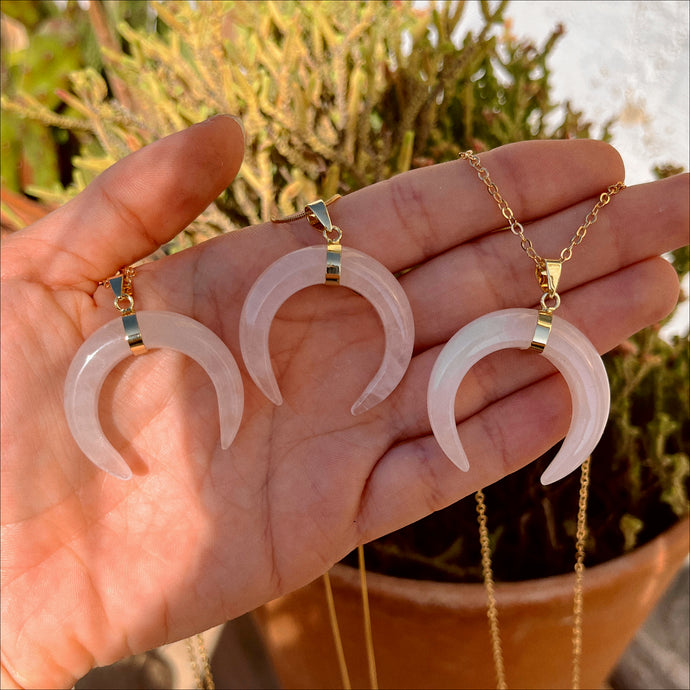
{"x":124,"y":303}
{"x":516,"y":227}
{"x":127,"y":273}
{"x":202,"y":672}
{"x":578,"y":588}
{"x":491,"y":609}
{"x":578,"y":592}
{"x":302,"y":214}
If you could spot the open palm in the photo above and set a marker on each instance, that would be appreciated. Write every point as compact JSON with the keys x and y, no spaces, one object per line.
{"x":94,"y":568}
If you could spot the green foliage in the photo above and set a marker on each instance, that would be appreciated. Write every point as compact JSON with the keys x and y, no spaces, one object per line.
{"x":335,"y":96}
{"x":36,"y":68}
{"x":41,"y":47}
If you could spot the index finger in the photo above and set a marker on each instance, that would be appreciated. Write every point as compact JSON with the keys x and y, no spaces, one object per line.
{"x":131,"y":209}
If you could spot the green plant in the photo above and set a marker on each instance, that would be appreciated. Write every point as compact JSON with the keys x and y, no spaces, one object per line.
{"x":37,"y":66}
{"x":41,"y":45}
{"x":335,"y":96}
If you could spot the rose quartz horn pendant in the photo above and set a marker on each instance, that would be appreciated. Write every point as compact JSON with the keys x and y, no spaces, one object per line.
{"x":318,"y":265}
{"x":564,"y":346}
{"x":110,"y":344}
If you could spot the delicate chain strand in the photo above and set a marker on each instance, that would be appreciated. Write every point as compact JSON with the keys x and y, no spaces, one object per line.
{"x":516,"y":227}
{"x":193,"y":664}
{"x":208,"y":676}
{"x":204,"y":681}
{"x":578,"y":593}
{"x":335,"y":629}
{"x":368,"y":633}
{"x":492,"y":611}
{"x":581,"y":532}
{"x":127,"y":273}
{"x":301,"y":214}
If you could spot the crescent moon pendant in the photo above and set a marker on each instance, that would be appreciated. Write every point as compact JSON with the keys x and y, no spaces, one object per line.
{"x":359,"y":272}
{"x":567,"y":349}
{"x":105,"y":348}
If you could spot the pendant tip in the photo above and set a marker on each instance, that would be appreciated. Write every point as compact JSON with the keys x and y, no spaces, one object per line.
{"x":270,"y":390}
{"x":457,"y":456}
{"x":121,"y":472}
{"x":553,"y":474}
{"x":369,"y":399}
{"x":462,"y":464}
{"x":227,"y":435}
{"x":360,"y":407}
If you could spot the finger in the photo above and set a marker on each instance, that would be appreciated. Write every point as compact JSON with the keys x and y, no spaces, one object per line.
{"x":510,"y":421}
{"x":415,"y":479}
{"x":132,"y":208}
{"x":493,"y":273}
{"x":423,"y":213}
{"x":480,"y":276}
{"x":419,"y":214}
{"x":607,"y":311}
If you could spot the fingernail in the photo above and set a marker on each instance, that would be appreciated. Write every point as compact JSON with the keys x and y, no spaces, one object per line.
{"x":239,"y":122}
{"x":219,"y":115}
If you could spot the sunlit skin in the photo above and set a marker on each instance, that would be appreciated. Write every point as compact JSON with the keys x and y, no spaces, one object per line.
{"x":95,"y":568}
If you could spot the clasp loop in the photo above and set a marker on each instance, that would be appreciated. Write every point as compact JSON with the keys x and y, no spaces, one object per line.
{"x":121,"y":285}
{"x":555,"y":297}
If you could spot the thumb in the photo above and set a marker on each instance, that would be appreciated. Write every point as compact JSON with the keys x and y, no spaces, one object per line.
{"x":131,"y":209}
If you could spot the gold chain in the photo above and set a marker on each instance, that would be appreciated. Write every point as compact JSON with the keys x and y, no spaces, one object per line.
{"x":302,"y":214}
{"x":581,"y":532}
{"x":368,"y":633}
{"x":127,"y":273}
{"x":491,"y":610}
{"x":578,"y":591}
{"x":124,"y":302}
{"x":516,"y":227}
{"x":203,"y":675}
{"x":335,"y":630}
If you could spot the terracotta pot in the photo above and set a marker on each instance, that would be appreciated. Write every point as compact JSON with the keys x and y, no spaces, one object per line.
{"x":435,"y":635}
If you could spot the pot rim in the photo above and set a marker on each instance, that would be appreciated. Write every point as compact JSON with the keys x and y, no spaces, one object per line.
{"x":664,"y":551}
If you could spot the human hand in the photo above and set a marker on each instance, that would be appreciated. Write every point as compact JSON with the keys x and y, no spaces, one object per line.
{"x":95,"y":569}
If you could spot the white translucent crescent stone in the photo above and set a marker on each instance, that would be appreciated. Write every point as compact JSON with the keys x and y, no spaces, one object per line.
{"x":103,"y":350}
{"x":305,"y":267}
{"x":567,"y":349}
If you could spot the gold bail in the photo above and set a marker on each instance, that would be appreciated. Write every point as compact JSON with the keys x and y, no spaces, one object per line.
{"x":334,"y":257}
{"x":549,"y":275}
{"x":542,"y":331}
{"x":317,"y":215}
{"x":121,"y":286}
{"x":116,"y":285}
{"x":133,"y":334}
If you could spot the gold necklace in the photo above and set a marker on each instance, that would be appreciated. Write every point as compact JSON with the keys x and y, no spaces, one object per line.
{"x":548,"y":273}
{"x":516,"y":227}
{"x":368,"y":635}
{"x":199,"y":661}
{"x":487,"y":575}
